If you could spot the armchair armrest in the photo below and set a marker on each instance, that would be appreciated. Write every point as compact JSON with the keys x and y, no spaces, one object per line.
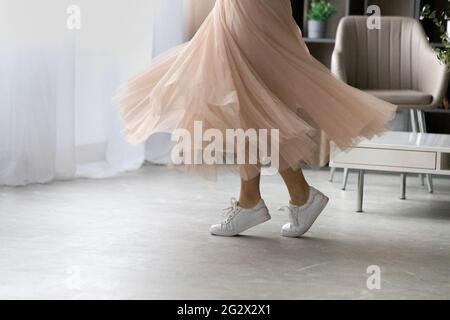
{"x":433,"y":77}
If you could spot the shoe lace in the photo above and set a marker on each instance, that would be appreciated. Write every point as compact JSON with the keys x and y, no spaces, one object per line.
{"x":230,"y":212}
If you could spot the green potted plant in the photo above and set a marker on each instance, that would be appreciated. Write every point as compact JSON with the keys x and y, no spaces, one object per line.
{"x":441,"y":19}
{"x":319,"y":12}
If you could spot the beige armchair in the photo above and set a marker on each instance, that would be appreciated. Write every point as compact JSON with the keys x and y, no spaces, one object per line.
{"x":395,"y":63}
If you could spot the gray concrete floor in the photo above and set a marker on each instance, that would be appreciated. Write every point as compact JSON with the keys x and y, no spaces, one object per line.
{"x":144,"y":235}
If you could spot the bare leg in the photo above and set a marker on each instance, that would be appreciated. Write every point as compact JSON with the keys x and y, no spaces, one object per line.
{"x":297,"y":186}
{"x":252,"y":215}
{"x":250,"y":189}
{"x":250,"y":193}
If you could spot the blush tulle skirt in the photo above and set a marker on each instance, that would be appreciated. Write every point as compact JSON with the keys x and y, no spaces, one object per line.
{"x":249,"y":68}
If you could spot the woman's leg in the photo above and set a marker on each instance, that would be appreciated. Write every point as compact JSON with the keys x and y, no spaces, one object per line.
{"x":248,"y":213}
{"x":297,"y":186}
{"x":250,"y":189}
{"x":250,"y":192}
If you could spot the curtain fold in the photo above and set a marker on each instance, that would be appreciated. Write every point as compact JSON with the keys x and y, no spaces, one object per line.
{"x":36,"y":95}
{"x":57,"y":118}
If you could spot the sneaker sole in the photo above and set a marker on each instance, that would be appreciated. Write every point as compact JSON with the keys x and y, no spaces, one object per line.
{"x":263,"y":219}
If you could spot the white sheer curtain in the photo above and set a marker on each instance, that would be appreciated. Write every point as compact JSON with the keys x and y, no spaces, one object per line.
{"x":57,"y":119}
{"x":36,"y":81}
{"x":168,"y":32}
{"x":176,"y":21}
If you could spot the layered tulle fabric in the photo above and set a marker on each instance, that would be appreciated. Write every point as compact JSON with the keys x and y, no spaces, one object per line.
{"x":248,"y":68}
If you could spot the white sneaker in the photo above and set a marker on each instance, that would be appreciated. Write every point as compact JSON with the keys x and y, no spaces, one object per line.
{"x":302,"y":218}
{"x":238,"y":219}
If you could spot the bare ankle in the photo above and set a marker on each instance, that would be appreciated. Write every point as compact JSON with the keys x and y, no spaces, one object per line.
{"x":249,"y":203}
{"x":300,"y":198}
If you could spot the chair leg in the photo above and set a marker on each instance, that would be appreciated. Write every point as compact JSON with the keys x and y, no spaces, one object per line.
{"x":345,"y":179}
{"x":412,"y":114}
{"x":332,"y":172}
{"x":421,"y":121}
{"x":414,"y":128}
{"x":423,"y":128}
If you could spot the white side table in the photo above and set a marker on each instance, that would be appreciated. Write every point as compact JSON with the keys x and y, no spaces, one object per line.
{"x":403,"y":152}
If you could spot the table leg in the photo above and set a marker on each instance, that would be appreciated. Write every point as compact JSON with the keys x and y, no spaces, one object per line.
{"x":345,"y":179}
{"x":423,"y":128}
{"x":332,"y":172}
{"x":403,"y":186}
{"x":360,"y":190}
{"x":430,"y":183}
{"x":414,"y":115}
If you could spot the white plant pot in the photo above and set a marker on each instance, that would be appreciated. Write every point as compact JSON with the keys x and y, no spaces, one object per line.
{"x":316,"y":29}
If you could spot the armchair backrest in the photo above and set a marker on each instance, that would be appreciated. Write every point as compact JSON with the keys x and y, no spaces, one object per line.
{"x":389,"y":58}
